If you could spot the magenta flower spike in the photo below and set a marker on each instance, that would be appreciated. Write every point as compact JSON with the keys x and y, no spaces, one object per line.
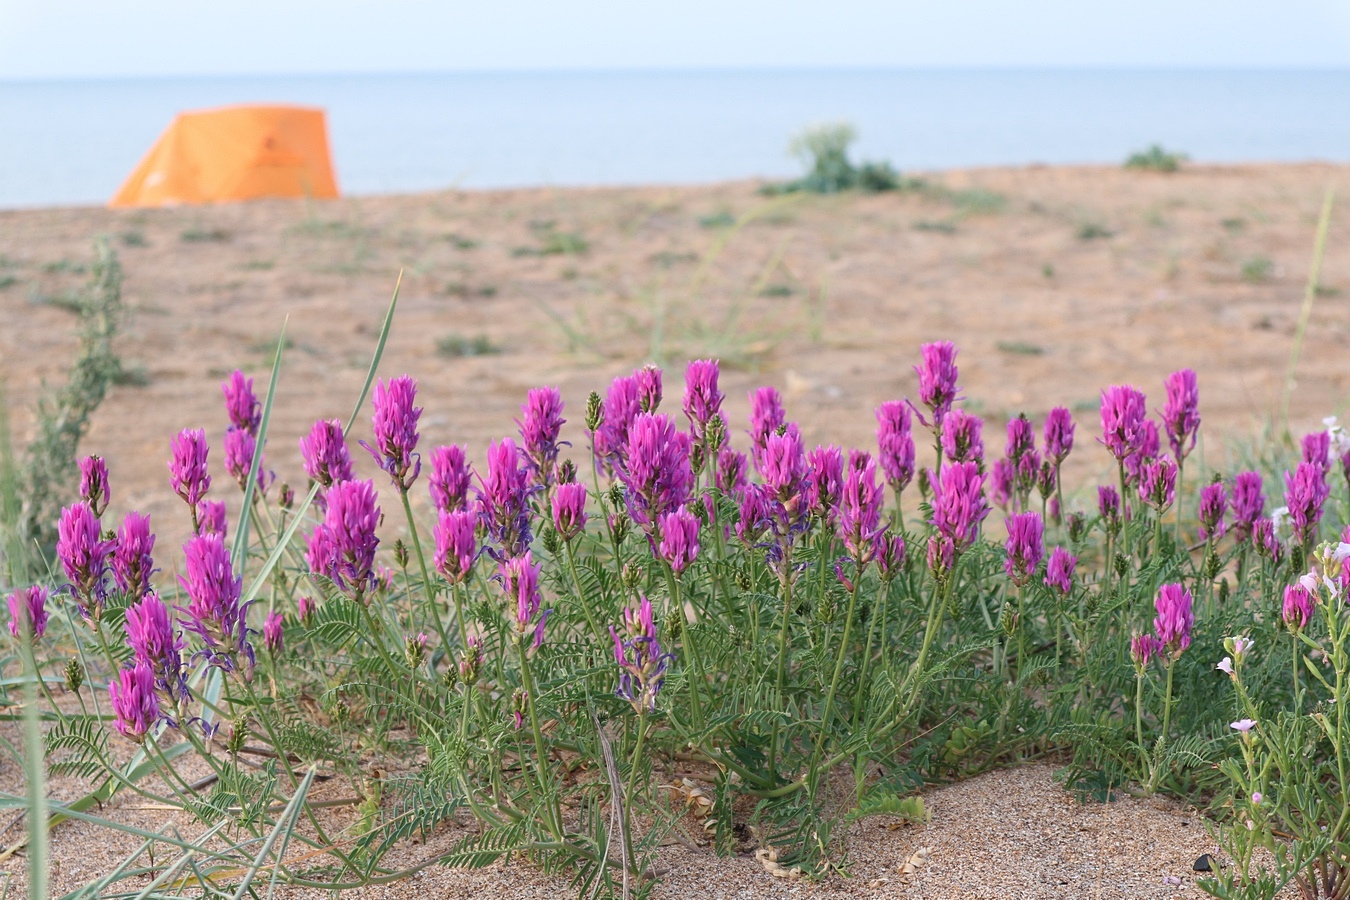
{"x":350,"y":522}
{"x":895,"y":440}
{"x":937,"y":381}
{"x":1297,"y":609}
{"x":1002,"y":482}
{"x":1175,"y":619}
{"x":395,"y":426}
{"x":151,"y":637}
{"x":941,"y":555}
{"x":1249,"y":502}
{"x":1108,"y":504}
{"x":890,"y":555}
{"x":641,"y":661}
{"x":1024,"y":547}
{"x":214,"y":612}
{"x":132,"y":563}
{"x":622,"y":406}
{"x":1145,"y":452}
{"x":1305,"y":492}
{"x":305,"y":607}
{"x":1059,"y":428}
{"x":766,"y":417}
{"x":94,"y":487}
{"x":569,"y":510}
{"x":860,"y":502}
{"x":825,"y":466}
{"x":212,"y":518}
{"x":1181,"y":415}
{"x":241,"y":405}
{"x":656,"y":473}
{"x":649,"y":388}
{"x":541,"y":422}
{"x":1144,"y":648}
{"x":679,"y":539}
{"x":239,"y":449}
{"x":28,"y":609}
{"x":456,"y":545}
{"x":1265,"y":541}
{"x":961,"y":437}
{"x":784,"y":469}
{"x":753,"y":514}
{"x":702,"y":399}
{"x":958,"y":503}
{"x":1123,"y":414}
{"x":1213,"y":506}
{"x":273,"y":634}
{"x":1059,"y":571}
{"x":1317,"y":450}
{"x":187,"y":468}
{"x":732,"y":471}
{"x":1021,"y":438}
{"x":504,"y":500}
{"x":519,"y":578}
{"x":325,"y":454}
{"x":134,"y":703}
{"x":451,"y":477}
{"x":1158,"y":484}
{"x":84,"y":557}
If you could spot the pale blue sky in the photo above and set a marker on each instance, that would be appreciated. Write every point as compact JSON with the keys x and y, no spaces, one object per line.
{"x":118,"y":38}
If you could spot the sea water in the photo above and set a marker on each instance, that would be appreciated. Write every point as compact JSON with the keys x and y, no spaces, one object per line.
{"x":72,"y":142}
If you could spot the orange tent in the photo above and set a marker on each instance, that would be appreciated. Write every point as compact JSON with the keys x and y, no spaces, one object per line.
{"x":234,"y":153}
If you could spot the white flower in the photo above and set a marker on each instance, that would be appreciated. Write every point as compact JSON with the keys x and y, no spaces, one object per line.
{"x":1310,"y":582}
{"x":1340,"y":437}
{"x":1279,"y":518}
{"x":1241,"y":645}
{"x":1225,"y":665}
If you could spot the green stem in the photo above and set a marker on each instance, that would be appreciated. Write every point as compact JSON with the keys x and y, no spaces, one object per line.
{"x":825,"y":723}
{"x":428,"y":587}
{"x":554,"y":822}
{"x":1167,"y":701}
{"x":785,"y":585}
{"x":687,"y":638}
{"x":581,"y":596}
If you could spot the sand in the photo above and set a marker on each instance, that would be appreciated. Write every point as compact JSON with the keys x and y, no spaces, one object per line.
{"x":1054,"y":282}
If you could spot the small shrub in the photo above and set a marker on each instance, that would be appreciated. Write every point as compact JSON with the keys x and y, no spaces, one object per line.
{"x":777,"y":290}
{"x":1257,"y":270}
{"x":977,"y":200}
{"x":935,"y":227}
{"x":459,"y":242}
{"x":66,"y":266}
{"x":133,"y":238}
{"x":1091,"y":231}
{"x":453,"y":346}
{"x":1155,"y":159}
{"x":1234,"y":224}
{"x":721,"y":219}
{"x":1020,"y":348}
{"x":824,"y":150}
{"x":8,"y":281}
{"x":204,"y":236}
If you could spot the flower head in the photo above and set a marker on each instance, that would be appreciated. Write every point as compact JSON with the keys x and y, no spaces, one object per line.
{"x":84,"y":556}
{"x":1297,"y":608}
{"x":656,"y":472}
{"x":1317,"y":449}
{"x":1146,"y":451}
{"x":325,"y":453}
{"x":1002,"y":482}
{"x":1024,"y":546}
{"x":649,"y":388}
{"x":239,"y":449}
{"x":151,"y":637}
{"x":1175,"y":619}
{"x":569,"y":510}
{"x":958,"y":503}
{"x":1059,"y":571}
{"x":1181,"y":415}
{"x":1158,"y":483}
{"x":395,"y":427}
{"x":1059,"y":428}
{"x":860,"y":502}
{"x":212,"y":518}
{"x":349,"y":525}
{"x":941,"y":555}
{"x":272,"y":633}
{"x":134,"y":703}
{"x":1305,"y":492}
{"x":937,"y":380}
{"x":504,"y":499}
{"x":471,"y":659}
{"x":519,"y":578}
{"x":187,"y":468}
{"x":896,"y":442}
{"x":1248,"y":503}
{"x":622,"y":406}
{"x":1123,"y":412}
{"x":540,"y":422}
{"x":456,"y":545}
{"x":766,"y":417}
{"x":679,"y":539}
{"x":731,"y":471}
{"x":1265,"y":540}
{"x":1143,"y":648}
{"x":241,"y":405}
{"x":961,"y":438}
{"x":131,"y":559}
{"x":826,"y":467}
{"x":94,"y":487}
{"x":1108,"y":505}
{"x":753,"y":513}
{"x":702,"y":399}
{"x":451,"y":477}
{"x":640,"y":658}
{"x":1213,"y":505}
{"x":28,"y":609}
{"x":1021,"y":438}
{"x":214,"y":612}
{"x":890,"y":554}
{"x":783,"y":466}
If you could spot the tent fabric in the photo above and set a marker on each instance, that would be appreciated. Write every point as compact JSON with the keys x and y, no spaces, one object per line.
{"x":234,"y":153}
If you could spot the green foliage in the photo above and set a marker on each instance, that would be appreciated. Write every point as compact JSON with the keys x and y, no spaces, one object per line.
{"x":824,"y":151}
{"x":454,"y":346}
{"x":1257,"y":270}
{"x":1155,"y":159}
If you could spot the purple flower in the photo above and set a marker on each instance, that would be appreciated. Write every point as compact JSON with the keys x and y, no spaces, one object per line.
{"x":1175,"y":619}
{"x":187,"y":469}
{"x":1298,"y":607}
{"x":504,"y":499}
{"x":1021,"y":438}
{"x":94,"y":487}
{"x":1002,"y":479}
{"x":540,"y":423}
{"x":1305,"y":492}
{"x":640,"y":658}
{"x":766,"y":417}
{"x":621,"y":407}
{"x":1213,"y":505}
{"x":1027,"y":474}
{"x":395,"y":427}
{"x":1108,"y":505}
{"x":896,"y":442}
{"x":1265,"y":540}
{"x":702,"y":399}
{"x":569,"y":510}
{"x":1143,"y":648}
{"x":754,"y":516}
{"x":1317,"y":450}
{"x":150,"y":635}
{"x":1248,"y":503}
{"x":212,"y":517}
{"x":656,"y":472}
{"x":1059,"y":571}
{"x":1158,"y":483}
{"x":890,"y":554}
{"x":1058,"y":435}
{"x":272,"y":633}
{"x":860,"y":509}
{"x":451,"y":477}
{"x":941,"y":555}
{"x":1243,"y":725}
{"x":519,"y":578}
{"x":471,"y":659}
{"x":305,"y":608}
{"x":958,"y":503}
{"x":28,"y":607}
{"x":456,"y":545}
{"x":241,"y":405}
{"x":649,"y":388}
{"x":731,"y":471}
{"x":214,"y":612}
{"x":961,"y":438}
{"x":937,"y":380}
{"x":1024,"y":546}
{"x":1181,"y":415}
{"x":1123,"y":412}
{"x":84,"y":556}
{"x":131,"y":559}
{"x":352,"y":517}
{"x":134,"y":702}
{"x":679,"y":539}
{"x":783,"y":466}
{"x":239,"y":449}
{"x":1146,"y":451}
{"x":325,"y":453}
{"x":826,"y":468}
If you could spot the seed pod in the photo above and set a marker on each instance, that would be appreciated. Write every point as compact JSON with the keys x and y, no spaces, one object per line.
{"x":595,"y":412}
{"x":74,"y":676}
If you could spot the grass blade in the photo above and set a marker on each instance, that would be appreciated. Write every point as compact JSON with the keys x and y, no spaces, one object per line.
{"x":35,"y":766}
{"x":1309,"y":294}
{"x":246,"y":512}
{"x":284,"y":827}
